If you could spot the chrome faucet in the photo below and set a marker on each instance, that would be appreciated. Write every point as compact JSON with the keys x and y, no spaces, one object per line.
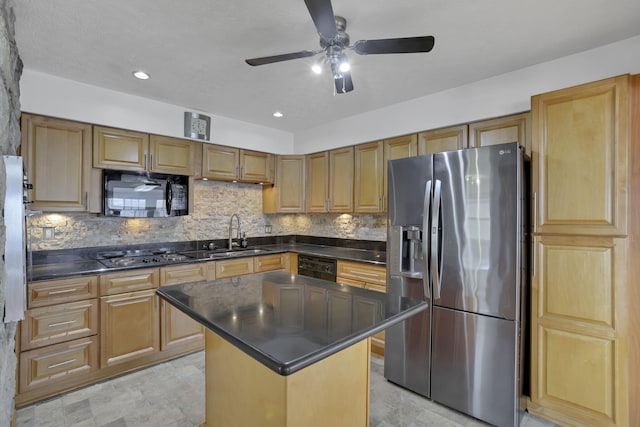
{"x":231,"y":242}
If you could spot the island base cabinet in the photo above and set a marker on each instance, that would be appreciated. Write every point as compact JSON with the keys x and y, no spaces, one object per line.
{"x":241,"y":391}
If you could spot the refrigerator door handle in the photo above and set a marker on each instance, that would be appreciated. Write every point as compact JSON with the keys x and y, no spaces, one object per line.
{"x":436,"y":266}
{"x":426,"y":277}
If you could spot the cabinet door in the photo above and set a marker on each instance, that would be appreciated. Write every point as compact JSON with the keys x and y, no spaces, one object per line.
{"x":183,"y":273}
{"x":129,"y":327}
{"x":256,"y":166}
{"x":287,"y":194}
{"x":233,"y":267}
{"x":179,"y":330}
{"x":446,"y":139}
{"x":120,"y":149}
{"x":172,"y":155}
{"x":397,"y":148}
{"x":220,"y":162}
{"x":502,"y":130}
{"x":341,"y":180}
{"x":317,"y":182}
{"x":580,"y":174}
{"x":579,"y":331}
{"x":369,"y":173}
{"x":57,"y":156}
{"x":271,"y":263}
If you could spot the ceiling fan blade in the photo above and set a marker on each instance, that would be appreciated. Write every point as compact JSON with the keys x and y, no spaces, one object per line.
{"x":284,"y":57}
{"x":344,"y":84}
{"x":321,"y":13}
{"x":399,"y":45}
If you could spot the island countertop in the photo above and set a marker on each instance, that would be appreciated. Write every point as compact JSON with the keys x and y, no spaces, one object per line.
{"x":285,"y":321}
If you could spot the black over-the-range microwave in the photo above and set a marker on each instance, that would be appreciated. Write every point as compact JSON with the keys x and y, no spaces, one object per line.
{"x":145,"y":194}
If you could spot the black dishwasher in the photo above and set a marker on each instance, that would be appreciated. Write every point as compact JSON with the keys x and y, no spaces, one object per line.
{"x":320,"y":268}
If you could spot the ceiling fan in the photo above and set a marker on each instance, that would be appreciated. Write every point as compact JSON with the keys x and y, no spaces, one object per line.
{"x":334,"y":41}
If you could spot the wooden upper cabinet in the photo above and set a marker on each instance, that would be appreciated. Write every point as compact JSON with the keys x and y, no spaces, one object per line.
{"x":220,"y":162}
{"x":445,"y":139}
{"x":135,"y":151}
{"x":330,"y":181}
{"x":172,"y":155}
{"x":341,"y":180}
{"x":401,"y":147}
{"x":57,"y":156}
{"x":224,"y":163}
{"x":513,"y":128}
{"x":317,"y":181}
{"x":369,"y":174}
{"x":120,"y":149}
{"x":256,"y":166}
{"x":287,"y":193}
{"x":580,"y":172}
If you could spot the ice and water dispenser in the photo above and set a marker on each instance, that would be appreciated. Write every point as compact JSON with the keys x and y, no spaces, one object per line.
{"x":406,"y":257}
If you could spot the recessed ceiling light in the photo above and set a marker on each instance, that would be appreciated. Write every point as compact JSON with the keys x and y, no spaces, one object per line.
{"x":141,"y":75}
{"x":278,"y":114}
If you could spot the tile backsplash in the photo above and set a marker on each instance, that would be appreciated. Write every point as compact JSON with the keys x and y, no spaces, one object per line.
{"x":214,"y":203}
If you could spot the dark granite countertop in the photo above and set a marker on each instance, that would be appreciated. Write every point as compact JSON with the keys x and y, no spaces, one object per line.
{"x":288,"y":322}
{"x":82,"y":262}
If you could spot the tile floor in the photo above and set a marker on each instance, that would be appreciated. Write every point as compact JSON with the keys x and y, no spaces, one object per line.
{"x":171,"y":394}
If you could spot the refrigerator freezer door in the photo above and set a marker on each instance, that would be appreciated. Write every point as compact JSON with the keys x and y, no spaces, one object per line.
{"x":480,"y":225}
{"x":470,"y":366}
{"x":407,"y":344}
{"x":406,"y":187}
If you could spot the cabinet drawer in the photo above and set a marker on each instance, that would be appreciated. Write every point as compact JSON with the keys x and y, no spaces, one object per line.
{"x":375,"y":287}
{"x":350,"y":282}
{"x":50,"y":292}
{"x":129,"y":281}
{"x":369,"y":273}
{"x":58,"y":323}
{"x":234,"y":267}
{"x":59,"y":365}
{"x":185,"y":273}
{"x":270,"y":263}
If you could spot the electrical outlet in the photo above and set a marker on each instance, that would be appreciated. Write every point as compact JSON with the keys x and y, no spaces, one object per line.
{"x":267,"y":228}
{"x":48,"y":233}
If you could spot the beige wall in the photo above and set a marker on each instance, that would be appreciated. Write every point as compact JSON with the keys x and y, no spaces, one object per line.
{"x":214,"y":202}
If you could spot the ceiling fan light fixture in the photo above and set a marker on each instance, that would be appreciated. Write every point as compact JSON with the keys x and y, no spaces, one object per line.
{"x":316,"y":68}
{"x":344,"y":65}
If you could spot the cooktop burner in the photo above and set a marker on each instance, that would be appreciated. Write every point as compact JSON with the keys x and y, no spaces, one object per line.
{"x":139,"y":257}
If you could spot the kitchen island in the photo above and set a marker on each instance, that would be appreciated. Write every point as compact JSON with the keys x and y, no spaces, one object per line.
{"x":287,"y":350}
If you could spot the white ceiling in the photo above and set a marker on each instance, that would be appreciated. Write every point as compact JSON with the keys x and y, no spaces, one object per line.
{"x":194,"y":50}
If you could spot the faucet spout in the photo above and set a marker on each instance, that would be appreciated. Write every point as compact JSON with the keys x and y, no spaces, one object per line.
{"x":231,"y":242}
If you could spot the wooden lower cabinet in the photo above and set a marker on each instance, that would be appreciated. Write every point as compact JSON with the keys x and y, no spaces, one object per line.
{"x":234,"y":267}
{"x":368,"y":276}
{"x":271,"y":263}
{"x":58,"y":366}
{"x":129,"y":327}
{"x":58,"y":323}
{"x":580,"y":340}
{"x":177,"y":330}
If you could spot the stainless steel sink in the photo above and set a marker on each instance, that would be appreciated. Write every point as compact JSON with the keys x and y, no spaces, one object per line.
{"x":221,"y":254}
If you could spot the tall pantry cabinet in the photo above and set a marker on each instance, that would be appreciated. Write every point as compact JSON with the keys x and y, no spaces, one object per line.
{"x":585,"y":319}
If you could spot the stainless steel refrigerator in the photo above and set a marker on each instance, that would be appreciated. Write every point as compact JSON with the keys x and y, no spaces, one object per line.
{"x":456,"y":237}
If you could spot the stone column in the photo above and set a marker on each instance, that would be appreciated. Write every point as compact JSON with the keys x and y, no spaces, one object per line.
{"x":10,"y":72}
